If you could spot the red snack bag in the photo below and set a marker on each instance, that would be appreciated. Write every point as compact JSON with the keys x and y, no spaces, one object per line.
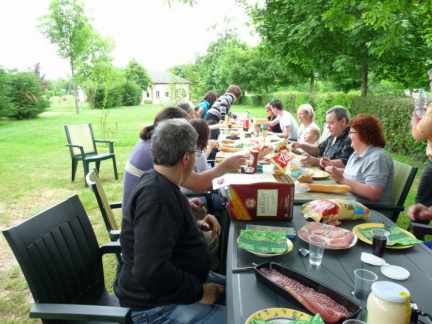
{"x":323,"y":210}
{"x":281,"y":160}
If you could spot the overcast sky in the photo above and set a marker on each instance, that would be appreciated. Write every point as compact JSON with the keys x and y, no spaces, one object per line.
{"x":147,"y":30}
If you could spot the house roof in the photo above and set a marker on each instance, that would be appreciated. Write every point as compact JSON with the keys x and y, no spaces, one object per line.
{"x":165,"y":77}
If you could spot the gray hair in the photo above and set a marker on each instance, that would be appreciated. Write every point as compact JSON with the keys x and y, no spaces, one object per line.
{"x":186,"y":106}
{"x":171,"y":140}
{"x":340,"y":112}
{"x":309,"y":110}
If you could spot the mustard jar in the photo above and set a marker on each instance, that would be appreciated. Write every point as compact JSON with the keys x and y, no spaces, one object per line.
{"x":388,"y":302}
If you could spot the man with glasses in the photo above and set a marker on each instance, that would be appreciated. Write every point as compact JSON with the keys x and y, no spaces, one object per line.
{"x":166,"y":263}
{"x":336,"y":149}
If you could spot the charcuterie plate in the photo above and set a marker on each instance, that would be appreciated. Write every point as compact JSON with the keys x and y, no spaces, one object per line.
{"x":327,"y":239}
{"x":277,"y":316}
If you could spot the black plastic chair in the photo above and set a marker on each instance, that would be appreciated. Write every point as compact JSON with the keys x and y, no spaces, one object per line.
{"x":59,"y":255}
{"x":82,"y":147}
{"x":404,"y":175}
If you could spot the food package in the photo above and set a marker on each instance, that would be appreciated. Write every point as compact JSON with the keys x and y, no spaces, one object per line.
{"x":332,"y":211}
{"x":282,"y":159}
{"x":263,"y":241}
{"x":262,"y":200}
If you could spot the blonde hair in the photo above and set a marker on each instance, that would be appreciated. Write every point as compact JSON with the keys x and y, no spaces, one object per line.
{"x":308,"y":109}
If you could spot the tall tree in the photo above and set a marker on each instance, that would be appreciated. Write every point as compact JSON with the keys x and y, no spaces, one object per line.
{"x":138,"y":74}
{"x":345,"y":53}
{"x":68,"y":27}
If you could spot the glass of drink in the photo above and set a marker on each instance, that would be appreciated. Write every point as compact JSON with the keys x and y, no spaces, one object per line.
{"x":363,"y":283}
{"x":316,"y":249}
{"x":379,"y":241}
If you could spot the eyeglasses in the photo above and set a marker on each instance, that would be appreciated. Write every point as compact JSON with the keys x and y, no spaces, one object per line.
{"x":350,"y":132}
{"x":198,"y":153}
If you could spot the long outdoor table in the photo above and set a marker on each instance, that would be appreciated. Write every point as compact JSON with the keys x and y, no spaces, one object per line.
{"x":245,"y":295}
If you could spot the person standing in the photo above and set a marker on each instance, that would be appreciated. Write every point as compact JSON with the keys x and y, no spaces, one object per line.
{"x":286,"y":121}
{"x":421,"y":129}
{"x":166,"y":273}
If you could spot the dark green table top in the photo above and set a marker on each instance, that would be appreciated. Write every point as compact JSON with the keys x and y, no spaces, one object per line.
{"x":245,"y":295}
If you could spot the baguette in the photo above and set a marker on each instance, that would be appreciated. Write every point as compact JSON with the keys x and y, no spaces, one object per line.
{"x":336,"y":188}
{"x":264,"y":151}
{"x":229,"y":149}
{"x":228,"y":141}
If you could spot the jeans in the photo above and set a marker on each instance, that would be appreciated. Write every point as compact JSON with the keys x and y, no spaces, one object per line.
{"x":185,"y":314}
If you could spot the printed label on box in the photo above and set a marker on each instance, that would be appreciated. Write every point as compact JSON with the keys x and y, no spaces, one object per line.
{"x":267,"y":202}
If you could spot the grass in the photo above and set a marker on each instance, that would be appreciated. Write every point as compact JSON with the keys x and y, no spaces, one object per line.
{"x":35,"y":174}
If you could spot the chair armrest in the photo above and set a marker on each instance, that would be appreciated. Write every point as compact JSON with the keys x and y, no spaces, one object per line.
{"x":115,"y":205}
{"x":77,"y":146}
{"x":110,"y":143}
{"x":110,"y":247}
{"x":420,"y":230}
{"x":379,"y":207}
{"x":80,"y":312}
{"x":114,"y":235}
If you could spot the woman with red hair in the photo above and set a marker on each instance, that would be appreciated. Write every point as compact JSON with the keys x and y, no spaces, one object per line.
{"x":369,"y":171}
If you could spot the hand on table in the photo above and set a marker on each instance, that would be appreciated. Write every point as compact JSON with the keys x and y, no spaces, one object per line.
{"x":335,"y":173}
{"x":419,"y":212}
{"x":210,"y":222}
{"x":233,"y":162}
{"x":211,"y":293}
{"x":325,"y":162}
{"x":195,"y":203}
{"x":309,"y":160}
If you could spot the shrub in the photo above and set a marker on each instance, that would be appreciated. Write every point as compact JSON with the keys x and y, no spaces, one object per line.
{"x":108,"y":96}
{"x":27,"y":97}
{"x":6,"y":107}
{"x":131,"y":94}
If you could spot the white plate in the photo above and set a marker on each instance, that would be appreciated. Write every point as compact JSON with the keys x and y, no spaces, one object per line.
{"x":353,"y":242}
{"x":395,"y":272}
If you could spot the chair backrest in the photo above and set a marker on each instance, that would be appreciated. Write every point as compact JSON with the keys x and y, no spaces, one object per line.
{"x":58,"y":253}
{"x":95,"y":185}
{"x":324,"y":134}
{"x":404,"y":175}
{"x":81,"y":135}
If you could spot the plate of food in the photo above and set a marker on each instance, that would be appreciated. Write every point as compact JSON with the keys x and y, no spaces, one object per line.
{"x":363,"y":238}
{"x":290,"y":246}
{"x":319,"y":174}
{"x":277,"y":315}
{"x":332,"y":237}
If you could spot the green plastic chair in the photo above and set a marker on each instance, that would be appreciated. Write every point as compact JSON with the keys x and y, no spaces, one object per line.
{"x":82,"y":147}
{"x":106,"y":208}
{"x":59,"y":255}
{"x":404,"y":175}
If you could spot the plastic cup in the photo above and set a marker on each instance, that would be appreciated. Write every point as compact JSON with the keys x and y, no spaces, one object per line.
{"x":379,"y":241}
{"x":363,"y":283}
{"x":353,"y":321}
{"x":316,"y":251}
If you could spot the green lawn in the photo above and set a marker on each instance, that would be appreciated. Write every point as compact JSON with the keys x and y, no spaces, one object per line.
{"x":36,"y":174}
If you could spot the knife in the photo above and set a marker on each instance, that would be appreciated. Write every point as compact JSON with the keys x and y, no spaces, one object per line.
{"x":245,"y":269}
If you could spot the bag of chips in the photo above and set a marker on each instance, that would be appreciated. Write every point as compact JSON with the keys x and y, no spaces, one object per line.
{"x":332,"y":211}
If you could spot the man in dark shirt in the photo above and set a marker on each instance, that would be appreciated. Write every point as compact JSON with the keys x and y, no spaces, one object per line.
{"x":166,"y":262}
{"x":336,"y":148}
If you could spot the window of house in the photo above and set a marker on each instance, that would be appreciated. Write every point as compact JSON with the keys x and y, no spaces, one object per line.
{"x":157,"y":94}
{"x":166,"y":94}
{"x":148,"y":94}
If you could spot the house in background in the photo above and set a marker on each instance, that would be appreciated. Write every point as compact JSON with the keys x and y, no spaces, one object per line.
{"x":166,"y":88}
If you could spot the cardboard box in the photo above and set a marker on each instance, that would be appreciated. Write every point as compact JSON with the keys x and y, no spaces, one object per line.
{"x":263,"y":197}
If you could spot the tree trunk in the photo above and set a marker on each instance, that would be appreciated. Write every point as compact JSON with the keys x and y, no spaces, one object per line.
{"x":364,"y":80}
{"x":74,"y":87}
{"x":312,"y":82}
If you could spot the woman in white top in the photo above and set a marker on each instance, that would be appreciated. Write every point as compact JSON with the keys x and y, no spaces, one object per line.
{"x":306,"y":117}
